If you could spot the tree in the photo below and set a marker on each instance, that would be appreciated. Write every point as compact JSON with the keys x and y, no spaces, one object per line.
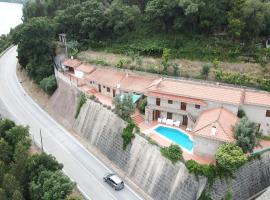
{"x":122,"y":17}
{"x":245,"y":134}
{"x":2,"y":171}
{"x":254,"y":14}
{"x":34,"y":39}
{"x":5,"y":125}
{"x":10,"y":185}
{"x":18,"y":134}
{"x":93,"y":18}
{"x":230,"y":157}
{"x":19,"y":167}
{"x":41,"y":162}
{"x":17,"y":195}
{"x":5,"y":151}
{"x":236,"y":27}
{"x":51,"y":185}
{"x":173,"y":153}
{"x":124,"y":106}
{"x":162,"y":10}
{"x":49,"y":84}
{"x":3,"y":195}
{"x":72,"y":47}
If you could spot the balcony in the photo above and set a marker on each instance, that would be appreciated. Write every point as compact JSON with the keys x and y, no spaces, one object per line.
{"x":167,"y":109}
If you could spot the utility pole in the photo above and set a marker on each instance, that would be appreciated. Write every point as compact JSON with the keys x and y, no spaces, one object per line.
{"x":41,"y":141}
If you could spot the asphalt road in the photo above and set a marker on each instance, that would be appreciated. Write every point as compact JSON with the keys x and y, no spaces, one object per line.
{"x":79,"y":164}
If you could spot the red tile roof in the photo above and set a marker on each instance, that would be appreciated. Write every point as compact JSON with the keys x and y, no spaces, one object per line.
{"x":73,"y":63}
{"x":177,"y":98}
{"x":136,"y":83}
{"x":222,"y":119}
{"x":86,"y":68}
{"x":257,"y":98}
{"x":201,"y":91}
{"x":106,"y":77}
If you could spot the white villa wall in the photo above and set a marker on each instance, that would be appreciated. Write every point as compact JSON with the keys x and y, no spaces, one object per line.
{"x":205,"y":147}
{"x":190,"y":107}
{"x":258,"y":114}
{"x":79,"y":74}
{"x":103,"y":89}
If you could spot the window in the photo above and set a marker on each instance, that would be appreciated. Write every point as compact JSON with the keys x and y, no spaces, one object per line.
{"x":183,"y":106}
{"x":108,"y":89}
{"x":268,"y":113}
{"x":104,"y":86}
{"x":158,"y":101}
{"x":91,"y":82}
{"x":197,"y":106}
{"x":169,"y":115}
{"x":170,"y":102}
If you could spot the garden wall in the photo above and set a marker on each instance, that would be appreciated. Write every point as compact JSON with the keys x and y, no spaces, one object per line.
{"x":248,"y":180}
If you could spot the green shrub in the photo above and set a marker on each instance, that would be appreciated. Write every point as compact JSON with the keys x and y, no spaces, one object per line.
{"x":230,"y":157}
{"x":264,"y":137}
{"x":128,"y":134}
{"x":205,"y":70}
{"x":142,"y":104}
{"x":205,"y":196}
{"x":241,"y":113}
{"x":228,"y":196}
{"x":173,"y":153}
{"x":124,"y":106}
{"x":49,"y":84}
{"x":82,"y":101}
{"x":101,"y":62}
{"x":152,"y":142}
{"x":209,"y":171}
{"x":245,"y":133}
{"x":242,"y":79}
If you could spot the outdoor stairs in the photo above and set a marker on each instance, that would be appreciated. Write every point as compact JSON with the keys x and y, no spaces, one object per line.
{"x":137,"y":118}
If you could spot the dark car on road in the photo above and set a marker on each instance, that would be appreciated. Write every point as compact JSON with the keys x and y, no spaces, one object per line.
{"x":114,"y":181}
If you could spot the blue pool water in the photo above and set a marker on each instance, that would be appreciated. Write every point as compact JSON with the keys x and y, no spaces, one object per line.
{"x":176,"y":136}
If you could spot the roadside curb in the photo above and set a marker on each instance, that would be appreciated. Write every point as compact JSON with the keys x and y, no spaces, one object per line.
{"x":6,"y":50}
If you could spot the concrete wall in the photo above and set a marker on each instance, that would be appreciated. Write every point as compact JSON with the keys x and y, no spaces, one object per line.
{"x":258,"y":115}
{"x":248,"y":180}
{"x":141,"y":162}
{"x":205,"y":147}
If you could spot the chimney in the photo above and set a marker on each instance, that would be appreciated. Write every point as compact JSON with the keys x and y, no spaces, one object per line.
{"x":214,"y":130}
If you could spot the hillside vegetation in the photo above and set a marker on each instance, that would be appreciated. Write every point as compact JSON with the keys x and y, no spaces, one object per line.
{"x":205,"y":30}
{"x":28,"y":176}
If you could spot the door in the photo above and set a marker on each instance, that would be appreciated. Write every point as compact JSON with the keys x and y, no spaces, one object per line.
{"x":169,"y":115}
{"x":158,"y":101}
{"x":185,"y":120}
{"x":113,"y":92}
{"x":157,"y":114}
{"x":99,"y":88}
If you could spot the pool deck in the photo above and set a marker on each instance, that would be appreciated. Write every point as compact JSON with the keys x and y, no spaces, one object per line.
{"x":148,"y":129}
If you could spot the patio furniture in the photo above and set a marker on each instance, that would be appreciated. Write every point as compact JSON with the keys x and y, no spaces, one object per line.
{"x":164,"y":120}
{"x":169,"y":122}
{"x":177,"y":123}
{"x":188,"y":129}
{"x":159,"y":120}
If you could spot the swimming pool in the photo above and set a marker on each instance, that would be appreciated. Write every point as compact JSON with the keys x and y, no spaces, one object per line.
{"x":176,"y":136}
